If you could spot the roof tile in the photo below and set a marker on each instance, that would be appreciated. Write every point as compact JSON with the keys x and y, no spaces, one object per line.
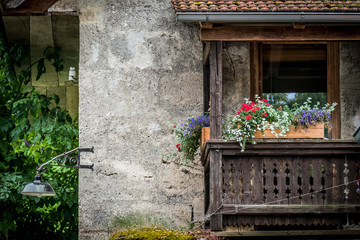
{"x":266,"y":6}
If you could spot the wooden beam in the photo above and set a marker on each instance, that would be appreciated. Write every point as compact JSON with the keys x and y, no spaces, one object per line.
{"x":237,"y":209}
{"x":216,"y":219}
{"x":206,"y":25}
{"x":30,"y":7}
{"x":206,"y":78}
{"x":293,"y":233}
{"x":215,"y":90}
{"x":251,"y":34}
{"x":255,"y":70}
{"x":333,"y":87}
{"x":206,"y":52}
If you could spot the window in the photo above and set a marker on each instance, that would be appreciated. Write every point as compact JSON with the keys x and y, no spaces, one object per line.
{"x":286,"y":73}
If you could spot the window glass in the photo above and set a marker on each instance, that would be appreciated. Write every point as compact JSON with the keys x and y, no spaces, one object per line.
{"x":294,"y":72}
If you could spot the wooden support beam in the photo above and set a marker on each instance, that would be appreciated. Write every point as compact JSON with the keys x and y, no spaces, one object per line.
{"x":333,"y":87}
{"x":30,"y":7}
{"x":206,"y":77}
{"x":215,"y":89}
{"x":251,"y":34}
{"x":206,"y":25}
{"x":216,"y":188}
{"x":256,"y":71}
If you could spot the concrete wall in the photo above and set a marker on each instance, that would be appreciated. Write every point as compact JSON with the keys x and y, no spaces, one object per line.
{"x":139,"y":71}
{"x":39,"y":32}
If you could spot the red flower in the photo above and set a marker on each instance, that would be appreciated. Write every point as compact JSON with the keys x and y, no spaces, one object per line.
{"x":266,"y":104}
{"x":249,"y":117}
{"x":174,"y":126}
{"x":244,"y":106}
{"x":265,"y":100}
{"x":178,"y":147}
{"x":280,"y":108}
{"x":257,"y":108}
{"x":252,"y":104}
{"x":264,"y":114}
{"x":254,"y":110}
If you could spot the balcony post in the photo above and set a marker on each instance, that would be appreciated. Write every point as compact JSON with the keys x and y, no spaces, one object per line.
{"x":215,"y":58}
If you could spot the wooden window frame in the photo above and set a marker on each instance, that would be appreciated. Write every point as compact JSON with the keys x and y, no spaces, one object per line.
{"x":333,"y":79}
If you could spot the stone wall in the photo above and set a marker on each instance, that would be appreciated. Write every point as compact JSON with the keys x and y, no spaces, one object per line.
{"x":139,"y":71}
{"x":39,"y":32}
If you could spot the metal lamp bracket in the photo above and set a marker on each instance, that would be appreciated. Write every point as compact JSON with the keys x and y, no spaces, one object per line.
{"x":68,"y":159}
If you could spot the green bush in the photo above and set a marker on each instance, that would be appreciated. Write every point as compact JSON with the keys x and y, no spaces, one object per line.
{"x":33,"y":129}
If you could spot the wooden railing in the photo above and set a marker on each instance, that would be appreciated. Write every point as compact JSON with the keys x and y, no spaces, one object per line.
{"x":281,"y":184}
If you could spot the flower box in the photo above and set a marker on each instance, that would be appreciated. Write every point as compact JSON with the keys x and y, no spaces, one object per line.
{"x":205,"y":135}
{"x":314,"y":131}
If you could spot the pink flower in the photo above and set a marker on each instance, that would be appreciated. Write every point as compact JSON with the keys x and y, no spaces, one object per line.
{"x":280,"y":108}
{"x":264,"y":114}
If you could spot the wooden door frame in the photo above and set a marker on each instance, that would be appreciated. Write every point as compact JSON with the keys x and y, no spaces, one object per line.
{"x":333,"y":79}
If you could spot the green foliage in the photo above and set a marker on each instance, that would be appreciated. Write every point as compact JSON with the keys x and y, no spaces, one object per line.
{"x":137,"y":219}
{"x":33,"y":129}
{"x":145,"y":226}
{"x":154,"y":233}
{"x":188,"y":136}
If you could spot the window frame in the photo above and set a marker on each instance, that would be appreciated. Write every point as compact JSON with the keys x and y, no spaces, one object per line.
{"x":333,"y":78}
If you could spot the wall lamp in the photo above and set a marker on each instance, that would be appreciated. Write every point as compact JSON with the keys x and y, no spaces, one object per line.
{"x":67,"y":159}
{"x":72,"y":75}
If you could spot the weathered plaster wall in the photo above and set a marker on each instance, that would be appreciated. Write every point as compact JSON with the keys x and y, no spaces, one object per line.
{"x":236,"y":75}
{"x":350,"y":88}
{"x":139,"y":70}
{"x":39,"y":32}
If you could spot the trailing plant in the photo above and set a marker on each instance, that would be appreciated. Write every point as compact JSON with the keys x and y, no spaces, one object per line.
{"x":33,"y":128}
{"x":260,"y":115}
{"x":188,"y":135}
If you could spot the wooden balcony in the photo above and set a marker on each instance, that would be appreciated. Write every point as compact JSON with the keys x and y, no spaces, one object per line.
{"x":287,"y":185}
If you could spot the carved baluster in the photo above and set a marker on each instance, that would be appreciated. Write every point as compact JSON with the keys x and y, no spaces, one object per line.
{"x":346,"y":180}
{"x":299,"y":180}
{"x":287,"y":182}
{"x":311,"y":181}
{"x":276,"y":190}
{"x":264,"y":182}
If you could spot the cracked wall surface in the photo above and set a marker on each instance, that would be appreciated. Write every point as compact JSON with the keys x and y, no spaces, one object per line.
{"x":139,"y":71}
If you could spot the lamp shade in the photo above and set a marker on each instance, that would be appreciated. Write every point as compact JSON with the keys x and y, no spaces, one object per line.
{"x":38,"y":188}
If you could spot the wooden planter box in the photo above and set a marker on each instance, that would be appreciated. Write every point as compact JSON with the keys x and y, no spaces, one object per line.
{"x":205,"y":135}
{"x":315,"y":131}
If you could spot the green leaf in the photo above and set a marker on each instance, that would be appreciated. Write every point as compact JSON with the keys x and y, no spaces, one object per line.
{"x":40,"y":69}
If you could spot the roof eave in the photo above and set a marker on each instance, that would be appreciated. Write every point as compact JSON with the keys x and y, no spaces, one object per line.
{"x":268,"y":17}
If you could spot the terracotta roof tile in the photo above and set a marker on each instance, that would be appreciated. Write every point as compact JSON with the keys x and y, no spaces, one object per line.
{"x":266,"y":6}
